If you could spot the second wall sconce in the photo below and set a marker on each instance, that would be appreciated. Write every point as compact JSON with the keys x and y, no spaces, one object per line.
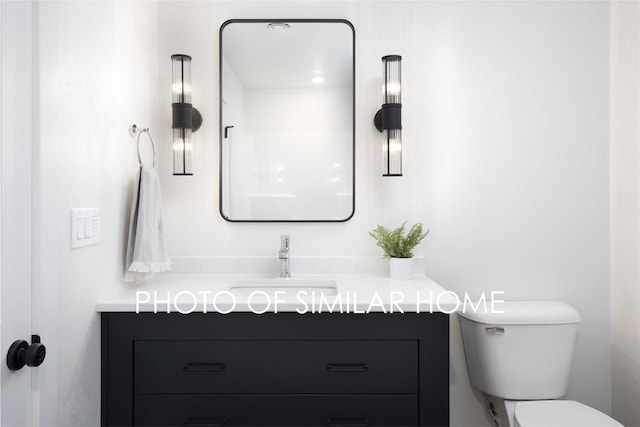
{"x":186,"y":119}
{"x":388,"y":119}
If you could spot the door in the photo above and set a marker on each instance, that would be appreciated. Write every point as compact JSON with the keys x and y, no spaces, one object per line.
{"x":20,"y":389}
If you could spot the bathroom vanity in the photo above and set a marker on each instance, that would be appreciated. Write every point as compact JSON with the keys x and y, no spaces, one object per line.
{"x":274,"y":369}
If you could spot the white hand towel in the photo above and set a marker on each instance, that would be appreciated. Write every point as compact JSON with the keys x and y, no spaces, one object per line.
{"x":146,"y":252}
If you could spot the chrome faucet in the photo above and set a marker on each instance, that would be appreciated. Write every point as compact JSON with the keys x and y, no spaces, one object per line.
{"x":283,"y":255}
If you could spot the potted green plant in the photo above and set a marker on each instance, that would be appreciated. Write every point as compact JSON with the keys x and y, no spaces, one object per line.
{"x":398,"y":247}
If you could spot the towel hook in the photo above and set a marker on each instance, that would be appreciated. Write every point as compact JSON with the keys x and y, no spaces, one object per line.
{"x":135,"y":130}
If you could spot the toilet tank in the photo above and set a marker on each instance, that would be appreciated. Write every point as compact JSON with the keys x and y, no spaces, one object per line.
{"x":524,"y":353}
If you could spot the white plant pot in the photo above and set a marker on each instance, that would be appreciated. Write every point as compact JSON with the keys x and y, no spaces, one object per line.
{"x":401,"y":268}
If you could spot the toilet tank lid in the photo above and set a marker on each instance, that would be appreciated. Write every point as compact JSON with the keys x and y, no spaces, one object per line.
{"x":522,"y":313}
{"x":566,"y":413}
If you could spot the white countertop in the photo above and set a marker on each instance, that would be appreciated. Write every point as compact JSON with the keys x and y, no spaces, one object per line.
{"x":188,"y":293}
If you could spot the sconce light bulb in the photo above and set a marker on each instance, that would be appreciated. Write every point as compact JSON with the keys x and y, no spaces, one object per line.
{"x":393,"y":88}
{"x":178,"y":145}
{"x":392,"y":152}
{"x":395,"y":147}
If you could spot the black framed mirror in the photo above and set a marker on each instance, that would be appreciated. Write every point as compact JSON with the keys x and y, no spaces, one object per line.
{"x":287,"y":120}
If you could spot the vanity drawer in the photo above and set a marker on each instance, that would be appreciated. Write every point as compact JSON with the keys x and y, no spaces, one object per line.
{"x":364,"y":367}
{"x":276,"y":410}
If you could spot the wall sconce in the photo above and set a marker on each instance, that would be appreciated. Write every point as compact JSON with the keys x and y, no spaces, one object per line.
{"x":388,"y":119}
{"x":186,"y":119}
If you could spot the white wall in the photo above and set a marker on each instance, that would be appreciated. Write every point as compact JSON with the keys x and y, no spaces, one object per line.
{"x":520,"y":181}
{"x":16,"y":202}
{"x":98,"y":63}
{"x":625,"y":210}
{"x":506,"y":133}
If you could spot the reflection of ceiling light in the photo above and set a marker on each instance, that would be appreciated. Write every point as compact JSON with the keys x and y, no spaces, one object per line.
{"x":278,"y":26}
{"x":317,"y":80}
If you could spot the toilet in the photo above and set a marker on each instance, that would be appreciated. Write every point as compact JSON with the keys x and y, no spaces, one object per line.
{"x":521,"y":359}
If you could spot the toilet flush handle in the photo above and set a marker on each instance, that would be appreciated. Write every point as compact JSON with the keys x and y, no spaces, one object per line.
{"x":494,"y":331}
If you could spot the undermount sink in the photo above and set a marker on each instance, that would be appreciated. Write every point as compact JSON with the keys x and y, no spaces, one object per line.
{"x":290,"y":287}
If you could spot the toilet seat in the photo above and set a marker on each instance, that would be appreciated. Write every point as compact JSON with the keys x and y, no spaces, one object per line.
{"x":560,"y":413}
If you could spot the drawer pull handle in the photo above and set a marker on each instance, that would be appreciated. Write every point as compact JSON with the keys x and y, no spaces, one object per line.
{"x":347,"y":367}
{"x":204,"y":367}
{"x":205,"y":422}
{"x":347,"y":422}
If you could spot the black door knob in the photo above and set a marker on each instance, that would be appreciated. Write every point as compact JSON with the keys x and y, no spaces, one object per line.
{"x":21,"y":353}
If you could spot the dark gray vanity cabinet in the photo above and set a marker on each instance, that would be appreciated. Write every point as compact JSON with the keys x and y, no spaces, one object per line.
{"x":285,"y":369}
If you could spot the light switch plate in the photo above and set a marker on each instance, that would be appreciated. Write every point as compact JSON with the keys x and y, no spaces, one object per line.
{"x":85,"y":227}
